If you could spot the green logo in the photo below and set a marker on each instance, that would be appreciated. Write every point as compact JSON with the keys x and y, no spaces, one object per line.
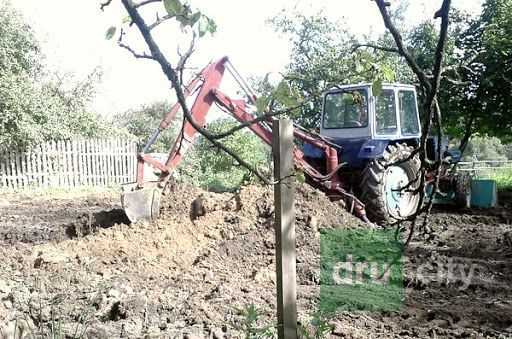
{"x":360,"y":270}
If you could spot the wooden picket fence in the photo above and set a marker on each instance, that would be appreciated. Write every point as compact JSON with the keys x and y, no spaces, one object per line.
{"x":71,"y":163}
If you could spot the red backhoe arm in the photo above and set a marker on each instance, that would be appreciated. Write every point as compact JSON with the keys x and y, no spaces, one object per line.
{"x":206,"y":85}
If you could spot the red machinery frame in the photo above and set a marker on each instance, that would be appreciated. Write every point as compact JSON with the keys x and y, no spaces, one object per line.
{"x":206,"y":85}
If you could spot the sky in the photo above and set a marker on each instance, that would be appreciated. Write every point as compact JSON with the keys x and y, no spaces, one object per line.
{"x":72,"y":34}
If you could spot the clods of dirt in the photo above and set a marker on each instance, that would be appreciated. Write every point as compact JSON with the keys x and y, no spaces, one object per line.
{"x":77,"y":262}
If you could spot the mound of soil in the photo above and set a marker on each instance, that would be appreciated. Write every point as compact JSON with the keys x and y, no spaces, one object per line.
{"x":192,"y":277}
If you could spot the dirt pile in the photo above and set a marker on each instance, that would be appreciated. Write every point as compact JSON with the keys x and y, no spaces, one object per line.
{"x":178,"y":277}
{"x":111,"y":278}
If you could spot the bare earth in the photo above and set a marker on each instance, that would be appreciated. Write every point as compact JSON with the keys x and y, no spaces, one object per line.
{"x":74,"y":263}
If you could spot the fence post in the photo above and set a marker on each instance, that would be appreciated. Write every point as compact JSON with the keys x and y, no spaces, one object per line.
{"x":282,"y":146}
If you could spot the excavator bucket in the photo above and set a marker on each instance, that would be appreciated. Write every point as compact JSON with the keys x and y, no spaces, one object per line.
{"x":141,"y":204}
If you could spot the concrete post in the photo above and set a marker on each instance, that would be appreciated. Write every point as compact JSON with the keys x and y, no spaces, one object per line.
{"x":285,"y":229}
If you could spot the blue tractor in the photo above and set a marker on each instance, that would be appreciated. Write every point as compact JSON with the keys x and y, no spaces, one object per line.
{"x":377,"y":135}
{"x":363,"y":153}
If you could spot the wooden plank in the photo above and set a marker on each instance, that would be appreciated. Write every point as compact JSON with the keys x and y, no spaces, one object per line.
{"x":65,"y":163}
{"x":44,"y":166}
{"x":115,"y":159}
{"x":120,"y":160}
{"x":72,"y":164}
{"x":97,"y":162}
{"x":55,"y":165}
{"x":124,"y":160}
{"x":86,"y":162}
{"x":80,"y":161}
{"x":3,"y":173}
{"x":282,"y":146}
{"x":27,"y":169}
{"x":108,"y":166}
{"x":124,"y":165}
{"x":27,"y":157}
{"x":14,"y":166}
{"x":49,"y":162}
{"x":54,"y":175}
{"x":9,"y":170}
{"x":103,"y":166}
{"x":58,"y":154}
{"x":74,"y":155}
{"x":39,"y":165}
{"x":32,"y":168}
{"x":3,"y":170}
{"x":19,"y":171}
{"x":92,"y":163}
{"x":133,"y":158}
{"x":32,"y":165}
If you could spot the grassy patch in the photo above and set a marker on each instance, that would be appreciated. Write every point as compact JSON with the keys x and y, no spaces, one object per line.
{"x":360,"y":270}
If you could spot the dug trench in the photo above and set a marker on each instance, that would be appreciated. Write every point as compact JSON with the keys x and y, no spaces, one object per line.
{"x":78,"y":263}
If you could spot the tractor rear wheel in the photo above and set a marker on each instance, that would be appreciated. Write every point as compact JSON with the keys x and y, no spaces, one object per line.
{"x":388,"y":184}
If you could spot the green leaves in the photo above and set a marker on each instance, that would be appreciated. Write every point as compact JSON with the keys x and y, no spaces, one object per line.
{"x":300,"y":176}
{"x":281,"y":96}
{"x":110,"y":32}
{"x":209,"y":167}
{"x":206,"y":25}
{"x":187,"y":18}
{"x":377,"y":87}
{"x":195,"y":18}
{"x":262,"y":104}
{"x":173,"y":7}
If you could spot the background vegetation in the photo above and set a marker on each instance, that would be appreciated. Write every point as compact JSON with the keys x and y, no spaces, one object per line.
{"x":38,"y":104}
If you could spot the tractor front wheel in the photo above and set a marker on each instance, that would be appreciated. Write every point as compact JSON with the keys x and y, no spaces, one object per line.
{"x":389,"y":185}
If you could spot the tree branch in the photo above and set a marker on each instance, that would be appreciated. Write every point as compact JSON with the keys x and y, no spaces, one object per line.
{"x":144,"y":3}
{"x":382,"y":5}
{"x":184,"y":58}
{"x":160,"y":21}
{"x":121,"y":44}
{"x":381,"y":48}
{"x":135,"y":54}
{"x":171,"y":75}
{"x":261,"y":118}
{"x":443,"y":13}
{"x":105,"y":4}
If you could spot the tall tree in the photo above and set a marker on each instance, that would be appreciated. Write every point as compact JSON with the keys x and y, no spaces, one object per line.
{"x":323,"y":56}
{"x":488,"y":46}
{"x":35,"y":104}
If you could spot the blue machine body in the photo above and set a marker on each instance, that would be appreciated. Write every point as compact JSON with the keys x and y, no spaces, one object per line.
{"x":356,"y":152}
{"x":364,"y":125}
